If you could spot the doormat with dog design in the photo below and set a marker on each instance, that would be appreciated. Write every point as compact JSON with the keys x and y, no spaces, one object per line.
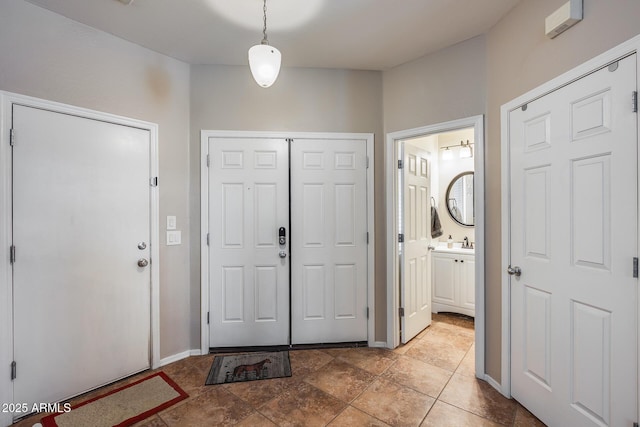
{"x":232,"y":368}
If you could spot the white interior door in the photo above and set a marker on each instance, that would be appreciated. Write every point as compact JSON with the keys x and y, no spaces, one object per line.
{"x":415,"y":276}
{"x":81,"y":207}
{"x":574,"y":228}
{"x":329,"y":241}
{"x":249,"y":280}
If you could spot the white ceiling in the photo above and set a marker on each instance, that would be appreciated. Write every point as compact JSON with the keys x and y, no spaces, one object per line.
{"x":350,"y":34}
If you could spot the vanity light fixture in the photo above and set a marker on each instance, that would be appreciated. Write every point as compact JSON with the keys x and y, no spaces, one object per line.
{"x":465,"y":150}
{"x":264,"y":60}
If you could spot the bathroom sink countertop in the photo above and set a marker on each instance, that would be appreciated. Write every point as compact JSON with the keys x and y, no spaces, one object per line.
{"x":454,"y":250}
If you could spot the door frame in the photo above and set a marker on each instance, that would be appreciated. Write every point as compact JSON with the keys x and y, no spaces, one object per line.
{"x":391,"y":203}
{"x":623,"y":50}
{"x":204,"y":216}
{"x":7,"y":100}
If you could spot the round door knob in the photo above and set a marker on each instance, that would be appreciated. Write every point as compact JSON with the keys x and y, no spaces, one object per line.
{"x":142,"y":262}
{"x":282,"y":254}
{"x":514,"y":271}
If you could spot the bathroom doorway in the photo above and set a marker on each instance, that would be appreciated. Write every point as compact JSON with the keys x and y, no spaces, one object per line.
{"x":435,"y":219}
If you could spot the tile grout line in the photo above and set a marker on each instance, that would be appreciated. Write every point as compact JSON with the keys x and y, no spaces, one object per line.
{"x":349,"y":404}
{"x":437,"y":399}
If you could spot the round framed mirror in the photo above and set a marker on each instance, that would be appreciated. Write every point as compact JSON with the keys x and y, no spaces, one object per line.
{"x":459,"y":198}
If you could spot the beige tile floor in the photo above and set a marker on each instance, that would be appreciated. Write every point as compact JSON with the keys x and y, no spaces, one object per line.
{"x":428,"y":382}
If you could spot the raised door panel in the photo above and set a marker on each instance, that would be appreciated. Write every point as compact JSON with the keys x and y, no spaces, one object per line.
{"x":536,"y":343}
{"x":591,"y":212}
{"x":313,"y":215}
{"x":591,"y":362}
{"x":444,"y":279}
{"x":467,"y":282}
{"x":313,"y":292}
{"x":265,"y":215}
{"x":232,"y":226}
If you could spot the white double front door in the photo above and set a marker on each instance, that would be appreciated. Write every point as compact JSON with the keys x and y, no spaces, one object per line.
{"x":574,"y":237}
{"x":287,"y":241}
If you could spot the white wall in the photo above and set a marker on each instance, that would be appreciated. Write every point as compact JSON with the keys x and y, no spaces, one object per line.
{"x":48,"y":56}
{"x":446,"y":85}
{"x":447,"y":170}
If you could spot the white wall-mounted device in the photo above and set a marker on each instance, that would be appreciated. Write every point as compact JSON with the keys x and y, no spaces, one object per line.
{"x":564,"y":18}
{"x":174,"y":237}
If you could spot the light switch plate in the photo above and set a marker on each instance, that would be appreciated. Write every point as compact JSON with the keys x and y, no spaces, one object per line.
{"x":174,"y":237}
{"x":171,"y":222}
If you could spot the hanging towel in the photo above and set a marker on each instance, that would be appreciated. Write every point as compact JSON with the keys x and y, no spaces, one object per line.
{"x":436,"y":227}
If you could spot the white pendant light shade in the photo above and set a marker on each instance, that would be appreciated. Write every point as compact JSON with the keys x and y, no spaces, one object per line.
{"x":447,"y":154}
{"x":264,"y":61}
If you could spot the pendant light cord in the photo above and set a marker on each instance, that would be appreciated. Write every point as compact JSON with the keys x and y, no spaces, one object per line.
{"x":264,"y":29}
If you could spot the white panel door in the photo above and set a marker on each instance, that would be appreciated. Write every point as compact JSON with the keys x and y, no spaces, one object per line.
{"x":249,"y":280}
{"x":329,"y":241}
{"x":415,"y":277}
{"x":574,"y":234}
{"x":81,"y":207}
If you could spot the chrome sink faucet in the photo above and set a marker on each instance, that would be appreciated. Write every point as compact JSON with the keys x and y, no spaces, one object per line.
{"x":466,"y":242}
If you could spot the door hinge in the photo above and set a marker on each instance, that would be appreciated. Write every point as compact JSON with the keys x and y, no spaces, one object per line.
{"x":153,"y":181}
{"x":400,"y":164}
{"x":367,"y":162}
{"x":14,"y":370}
{"x":12,"y":137}
{"x":207,"y":317}
{"x":367,"y":237}
{"x":207,"y":239}
{"x":12,"y":254}
{"x":635,"y":267}
{"x":634,"y":102}
{"x":401,"y":311}
{"x":367,"y":312}
{"x":400,"y":238}
{"x":208,"y":161}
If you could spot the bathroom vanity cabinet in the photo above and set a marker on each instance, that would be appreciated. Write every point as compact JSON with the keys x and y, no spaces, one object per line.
{"x":453,"y":281}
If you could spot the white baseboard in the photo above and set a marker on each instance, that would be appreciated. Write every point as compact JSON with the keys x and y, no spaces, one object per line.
{"x":196,"y":352}
{"x":178,"y":356}
{"x":379,"y":344}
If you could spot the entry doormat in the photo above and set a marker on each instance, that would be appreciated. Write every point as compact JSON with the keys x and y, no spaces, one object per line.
{"x":232,"y":368}
{"x":123,"y":406}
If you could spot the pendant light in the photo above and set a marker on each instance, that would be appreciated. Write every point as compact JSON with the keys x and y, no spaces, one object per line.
{"x":264,"y":60}
{"x":447,"y":154}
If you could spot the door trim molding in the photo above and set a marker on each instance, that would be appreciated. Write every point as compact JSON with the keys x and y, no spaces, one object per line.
{"x":623,"y":50}
{"x":7,"y":99}
{"x":204,"y":215}
{"x":391,"y":184}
